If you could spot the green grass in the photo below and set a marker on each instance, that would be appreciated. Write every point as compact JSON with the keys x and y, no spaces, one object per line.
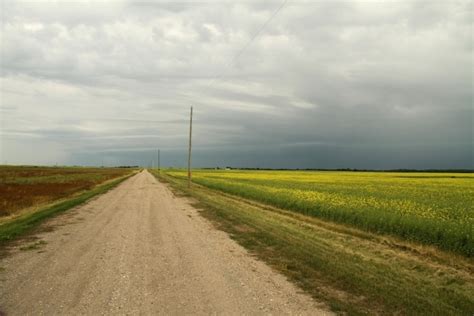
{"x":23,"y":224}
{"x":33,"y":246}
{"x":430,"y":208}
{"x":353,"y":271}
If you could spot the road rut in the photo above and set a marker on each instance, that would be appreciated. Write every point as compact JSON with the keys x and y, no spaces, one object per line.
{"x":138,"y":249}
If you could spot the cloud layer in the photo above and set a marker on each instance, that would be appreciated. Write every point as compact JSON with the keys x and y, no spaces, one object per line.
{"x":327,"y":84}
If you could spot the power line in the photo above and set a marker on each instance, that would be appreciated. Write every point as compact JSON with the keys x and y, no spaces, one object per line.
{"x":232,"y":61}
{"x":256,"y":34}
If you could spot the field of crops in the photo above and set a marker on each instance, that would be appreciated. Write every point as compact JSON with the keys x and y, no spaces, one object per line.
{"x":430,"y":208}
{"x":24,"y":187}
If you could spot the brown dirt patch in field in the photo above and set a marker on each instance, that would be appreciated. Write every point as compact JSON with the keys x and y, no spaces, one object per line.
{"x":15,"y":197}
{"x":25,"y":187}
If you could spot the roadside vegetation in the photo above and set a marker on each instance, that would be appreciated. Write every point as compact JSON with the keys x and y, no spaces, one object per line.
{"x":29,"y":195}
{"x":429,"y":208}
{"x":354,"y":270}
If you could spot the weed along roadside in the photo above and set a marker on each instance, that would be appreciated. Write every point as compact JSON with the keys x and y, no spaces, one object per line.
{"x":354,"y":271}
{"x":23,"y":224}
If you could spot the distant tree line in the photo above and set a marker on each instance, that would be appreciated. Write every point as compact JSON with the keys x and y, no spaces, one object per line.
{"x":349,"y":169}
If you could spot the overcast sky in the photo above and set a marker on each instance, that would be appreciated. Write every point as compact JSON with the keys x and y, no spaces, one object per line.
{"x":296,"y":84}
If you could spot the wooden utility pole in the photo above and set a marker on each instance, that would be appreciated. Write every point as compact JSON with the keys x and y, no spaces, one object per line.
{"x":158,"y":160}
{"x":190,"y":143}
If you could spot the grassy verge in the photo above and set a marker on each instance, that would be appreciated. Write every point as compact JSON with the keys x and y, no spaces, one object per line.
{"x":353,"y":271}
{"x":23,"y":224}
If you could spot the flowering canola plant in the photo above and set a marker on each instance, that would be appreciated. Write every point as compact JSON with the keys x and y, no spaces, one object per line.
{"x":431,"y":208}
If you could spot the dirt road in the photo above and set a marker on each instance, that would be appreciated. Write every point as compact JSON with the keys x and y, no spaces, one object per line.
{"x":138,"y":249}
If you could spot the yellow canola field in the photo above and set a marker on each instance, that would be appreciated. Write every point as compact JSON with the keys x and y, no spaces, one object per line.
{"x":431,"y":208}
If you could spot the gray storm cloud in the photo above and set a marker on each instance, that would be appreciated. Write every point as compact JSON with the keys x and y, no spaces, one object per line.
{"x":326,"y":84}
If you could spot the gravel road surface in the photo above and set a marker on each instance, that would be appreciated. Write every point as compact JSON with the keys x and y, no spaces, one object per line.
{"x":138,"y":249}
